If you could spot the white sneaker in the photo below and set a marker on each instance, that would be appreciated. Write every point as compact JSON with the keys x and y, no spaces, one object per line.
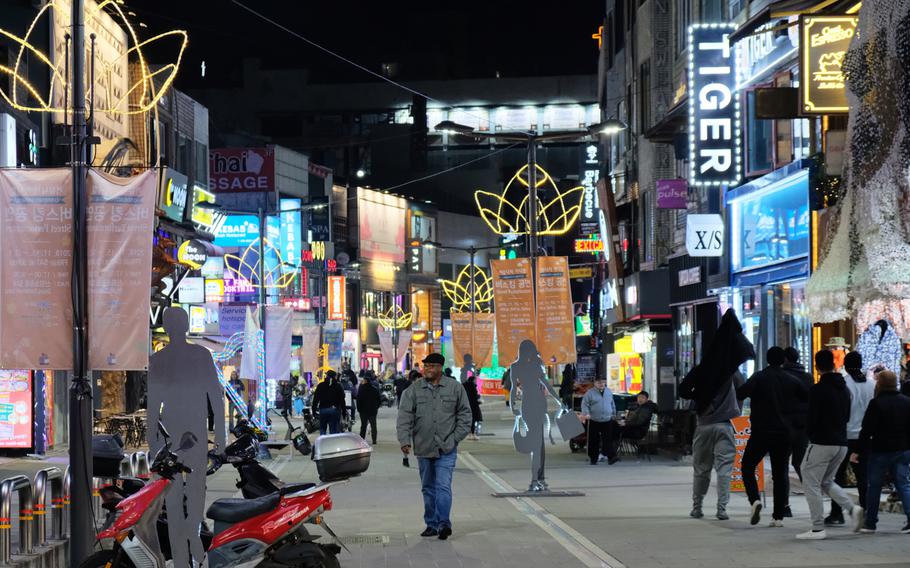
{"x":776,"y":523}
{"x":813,"y":535}
{"x":858,"y":517}
{"x":602,"y":458}
{"x":864,"y":530}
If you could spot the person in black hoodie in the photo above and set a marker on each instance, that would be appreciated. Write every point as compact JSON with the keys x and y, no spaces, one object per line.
{"x":368,"y":402}
{"x":829,"y":412}
{"x":885,"y":441}
{"x":798,"y":410}
{"x":770,"y":390}
{"x":328,"y":401}
{"x":712,"y":385}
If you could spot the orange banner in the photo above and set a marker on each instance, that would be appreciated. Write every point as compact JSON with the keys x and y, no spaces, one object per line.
{"x":462,"y":334}
{"x":121,"y":220}
{"x":36,"y":244}
{"x":555,"y":318}
{"x":483,"y":339}
{"x":513,"y":289}
{"x":742,"y":432}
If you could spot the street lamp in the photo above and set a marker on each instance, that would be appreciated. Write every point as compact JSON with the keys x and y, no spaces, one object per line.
{"x":531,"y":138}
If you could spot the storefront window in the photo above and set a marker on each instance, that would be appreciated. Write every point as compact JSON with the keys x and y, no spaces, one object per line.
{"x":685,"y":340}
{"x":758,"y":139}
{"x":792,"y":327}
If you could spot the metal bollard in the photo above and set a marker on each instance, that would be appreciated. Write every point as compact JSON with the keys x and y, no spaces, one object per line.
{"x":23,"y":486}
{"x":55,"y":477}
{"x":126,"y":467}
{"x":140,"y":465}
{"x":67,"y":483}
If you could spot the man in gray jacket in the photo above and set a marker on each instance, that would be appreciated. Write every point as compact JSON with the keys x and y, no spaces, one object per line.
{"x":433,"y":416}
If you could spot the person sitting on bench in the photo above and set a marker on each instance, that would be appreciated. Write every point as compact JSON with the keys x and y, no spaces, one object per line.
{"x":638,"y":418}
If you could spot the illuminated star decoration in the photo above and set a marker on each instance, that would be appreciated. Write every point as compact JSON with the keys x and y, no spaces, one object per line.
{"x":459,"y":290}
{"x":503,"y":216}
{"x":395,"y":318}
{"x":148,"y":93}
{"x":246,"y":266}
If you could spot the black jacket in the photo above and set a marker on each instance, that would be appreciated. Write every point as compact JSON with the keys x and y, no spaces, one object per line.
{"x":886,"y":424}
{"x":772,"y":391}
{"x":829,"y":411}
{"x":328,"y":395}
{"x":641,"y":415}
{"x":368,"y":399}
{"x":905,"y":388}
{"x":798,"y":410}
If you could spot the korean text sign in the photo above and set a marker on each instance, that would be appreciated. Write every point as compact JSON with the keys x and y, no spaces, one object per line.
{"x":513,"y":288}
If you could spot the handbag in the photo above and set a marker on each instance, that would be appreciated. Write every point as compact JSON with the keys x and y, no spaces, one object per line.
{"x":302,"y":444}
{"x":569,"y":425}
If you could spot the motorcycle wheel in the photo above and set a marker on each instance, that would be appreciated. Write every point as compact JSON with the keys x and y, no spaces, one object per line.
{"x":105,"y":559}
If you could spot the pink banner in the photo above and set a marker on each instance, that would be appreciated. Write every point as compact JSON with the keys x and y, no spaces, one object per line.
{"x":121,"y":217}
{"x":671,"y":193}
{"x":36,"y":321}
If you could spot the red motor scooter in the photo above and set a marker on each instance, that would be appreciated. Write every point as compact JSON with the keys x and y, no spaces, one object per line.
{"x":266,"y":532}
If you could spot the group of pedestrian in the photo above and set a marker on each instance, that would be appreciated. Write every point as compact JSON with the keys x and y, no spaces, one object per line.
{"x":847,"y":417}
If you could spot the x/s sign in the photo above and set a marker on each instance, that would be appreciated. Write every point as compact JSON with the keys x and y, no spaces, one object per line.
{"x":705,"y":235}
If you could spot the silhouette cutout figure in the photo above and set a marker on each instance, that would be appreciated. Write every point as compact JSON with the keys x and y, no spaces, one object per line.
{"x":528,"y":374}
{"x":467,"y":368}
{"x":182,"y":382}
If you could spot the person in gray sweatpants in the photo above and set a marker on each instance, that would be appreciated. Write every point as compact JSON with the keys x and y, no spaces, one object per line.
{"x":714,"y":447}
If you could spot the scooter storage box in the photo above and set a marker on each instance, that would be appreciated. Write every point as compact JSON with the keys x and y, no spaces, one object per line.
{"x":107,"y":453}
{"x":340,"y":456}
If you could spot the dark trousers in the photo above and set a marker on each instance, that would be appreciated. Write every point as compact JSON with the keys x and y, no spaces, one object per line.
{"x":371,"y":418}
{"x":859,"y":470}
{"x":600,"y":440}
{"x":799,"y":441}
{"x":759,"y":445}
{"x":329,"y":421}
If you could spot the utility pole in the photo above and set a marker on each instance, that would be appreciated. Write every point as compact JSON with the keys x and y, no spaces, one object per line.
{"x":80,"y":395}
{"x":532,"y":198}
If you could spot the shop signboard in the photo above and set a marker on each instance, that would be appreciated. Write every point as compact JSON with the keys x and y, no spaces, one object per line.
{"x":192,"y":290}
{"x":824,"y":41}
{"x":586,"y":368}
{"x":336,"y":298}
{"x":624,"y":367}
{"x":555,"y":316}
{"x":173,"y":194}
{"x":513,"y":290}
{"x":234,"y":170}
{"x":238,"y":231}
{"x":581,"y":272}
{"x":516,"y":118}
{"x":671,"y":193}
{"x":714,"y":113}
{"x":333,"y":337}
{"x":762,"y":50}
{"x":769,"y":222}
{"x":593,"y":245}
{"x":15,"y":409}
{"x":589,"y":219}
{"x":381,"y":223}
{"x":742,"y":431}
{"x":192,"y":253}
{"x":705,"y":235}
{"x":214,"y":290}
{"x":213,"y":267}
{"x":203,"y":217}
{"x":231,"y":318}
{"x":291,"y":243}
{"x":212,"y":319}
{"x":197,"y":318}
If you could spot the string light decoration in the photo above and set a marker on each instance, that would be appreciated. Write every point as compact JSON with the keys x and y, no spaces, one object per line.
{"x":324,"y":366}
{"x":274,"y":278}
{"x":231,"y":347}
{"x":865,"y":272}
{"x":503,"y":216}
{"x":149,"y":94}
{"x":459,"y":290}
{"x":396,"y":318}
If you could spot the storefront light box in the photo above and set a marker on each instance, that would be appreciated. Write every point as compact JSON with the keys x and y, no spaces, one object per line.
{"x":770,"y":225}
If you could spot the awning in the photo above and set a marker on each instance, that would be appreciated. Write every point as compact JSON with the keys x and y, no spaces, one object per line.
{"x":670,"y":124}
{"x":787,"y":8}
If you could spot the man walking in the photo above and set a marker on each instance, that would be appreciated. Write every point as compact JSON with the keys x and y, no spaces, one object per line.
{"x":770,"y":389}
{"x":797,"y":410}
{"x":368,"y":403}
{"x":712,"y":385}
{"x":598,"y":408}
{"x":433,"y":417}
{"x":885,"y":441}
{"x":829,"y":412}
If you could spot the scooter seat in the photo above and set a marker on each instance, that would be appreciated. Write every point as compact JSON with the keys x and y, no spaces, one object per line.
{"x":236,"y":510}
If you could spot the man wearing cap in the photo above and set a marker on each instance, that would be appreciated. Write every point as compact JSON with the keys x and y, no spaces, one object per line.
{"x":433,"y":416}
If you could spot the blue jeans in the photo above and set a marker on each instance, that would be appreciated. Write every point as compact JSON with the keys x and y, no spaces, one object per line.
{"x":898,"y":463}
{"x":329,"y":419}
{"x":436,"y":483}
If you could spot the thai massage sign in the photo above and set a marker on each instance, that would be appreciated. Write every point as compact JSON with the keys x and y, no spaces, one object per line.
{"x":823,"y":43}
{"x":714,"y":114}
{"x":241,"y":169}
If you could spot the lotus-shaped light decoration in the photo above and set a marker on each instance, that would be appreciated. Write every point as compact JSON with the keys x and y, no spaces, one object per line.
{"x":396,"y":318}
{"x":246,"y":266}
{"x":140,"y":96}
{"x":507,"y":212}
{"x":459,"y":290}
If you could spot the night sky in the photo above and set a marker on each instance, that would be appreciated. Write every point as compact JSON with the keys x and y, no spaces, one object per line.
{"x":429,"y":40}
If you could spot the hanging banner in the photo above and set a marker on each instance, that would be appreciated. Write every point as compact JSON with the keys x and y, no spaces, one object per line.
{"x":484,"y":324}
{"x":278,"y":323}
{"x":333,"y":336}
{"x":462,"y":336}
{"x":387,"y":346}
{"x":249,"y":368}
{"x":555,"y":317}
{"x":121,"y":220}
{"x":309,"y":349}
{"x":336,"y":298}
{"x":36,"y":321}
{"x":514,"y":296}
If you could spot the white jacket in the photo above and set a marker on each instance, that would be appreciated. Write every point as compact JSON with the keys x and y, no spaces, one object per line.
{"x":860,"y":395}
